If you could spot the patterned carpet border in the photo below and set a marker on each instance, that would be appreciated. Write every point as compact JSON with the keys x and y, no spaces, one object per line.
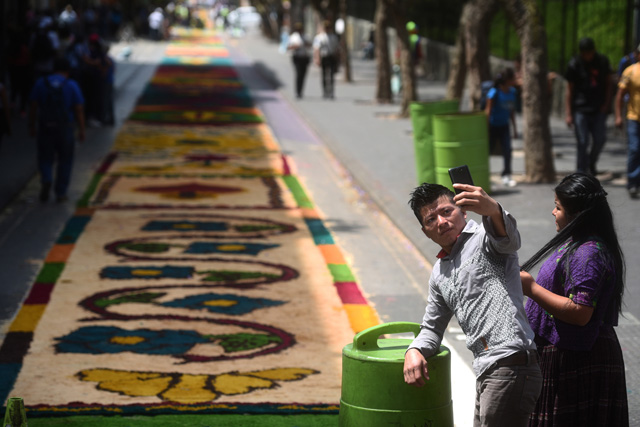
{"x":164,"y":409}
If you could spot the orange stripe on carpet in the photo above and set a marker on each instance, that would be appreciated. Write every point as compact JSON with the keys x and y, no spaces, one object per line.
{"x":59,"y":253}
{"x":332,"y":254}
{"x":309,"y":213}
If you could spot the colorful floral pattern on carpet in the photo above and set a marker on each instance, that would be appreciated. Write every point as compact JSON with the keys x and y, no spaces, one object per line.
{"x":196,"y":275}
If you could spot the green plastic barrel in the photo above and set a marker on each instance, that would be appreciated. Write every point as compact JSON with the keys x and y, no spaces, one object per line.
{"x":373,"y":389}
{"x":421,"y":120}
{"x":462,"y":139}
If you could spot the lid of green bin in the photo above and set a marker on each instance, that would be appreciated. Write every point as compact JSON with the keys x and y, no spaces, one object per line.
{"x":367,"y":345}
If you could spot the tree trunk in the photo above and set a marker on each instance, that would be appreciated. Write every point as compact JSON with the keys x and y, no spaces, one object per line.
{"x":458,"y":74}
{"x":383,"y":61}
{"x":296,"y":12}
{"x":269,"y":25}
{"x":476,"y":26}
{"x":407,"y":67}
{"x":345,"y":58}
{"x":535,"y":100}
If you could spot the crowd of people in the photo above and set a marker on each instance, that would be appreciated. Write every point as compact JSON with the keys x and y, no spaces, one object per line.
{"x":590,"y":92}
{"x":78,"y":38}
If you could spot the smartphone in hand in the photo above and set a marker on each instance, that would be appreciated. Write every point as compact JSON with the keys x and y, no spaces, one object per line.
{"x":460,"y":175}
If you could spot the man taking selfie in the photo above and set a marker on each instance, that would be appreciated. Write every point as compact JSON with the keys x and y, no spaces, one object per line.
{"x":477,"y":278}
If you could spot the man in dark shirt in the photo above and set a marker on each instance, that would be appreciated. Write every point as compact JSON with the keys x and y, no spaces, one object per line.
{"x":57,"y":106}
{"x":587,"y":103}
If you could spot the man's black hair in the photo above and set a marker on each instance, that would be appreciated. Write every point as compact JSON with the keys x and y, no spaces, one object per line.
{"x":586,"y":44}
{"x":425,"y":194}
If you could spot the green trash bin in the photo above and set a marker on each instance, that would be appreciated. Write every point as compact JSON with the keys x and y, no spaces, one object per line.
{"x":373,"y":389}
{"x":421,"y":120}
{"x":462,"y":139}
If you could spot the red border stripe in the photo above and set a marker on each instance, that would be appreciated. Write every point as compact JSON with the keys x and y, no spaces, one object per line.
{"x":350,"y":293}
{"x":40,"y":293}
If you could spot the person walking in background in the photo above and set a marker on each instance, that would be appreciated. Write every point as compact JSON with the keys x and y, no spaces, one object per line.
{"x":500,"y":109}
{"x":325,"y":54}
{"x":156,"y":19}
{"x":94,"y":72}
{"x":629,"y":88}
{"x":477,"y":278}
{"x":573,"y":307}
{"x":588,"y":100}
{"x":415,"y":42}
{"x":55,"y":101}
{"x":68,"y":17}
{"x":299,"y":47}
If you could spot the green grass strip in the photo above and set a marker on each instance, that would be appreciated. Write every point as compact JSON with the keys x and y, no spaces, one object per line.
{"x":341,"y":273}
{"x":298,"y":192}
{"x":50,"y":272}
{"x":93,"y":185}
{"x":226,"y":420}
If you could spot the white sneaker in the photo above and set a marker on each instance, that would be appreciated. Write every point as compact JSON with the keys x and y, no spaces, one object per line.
{"x":507,"y":181}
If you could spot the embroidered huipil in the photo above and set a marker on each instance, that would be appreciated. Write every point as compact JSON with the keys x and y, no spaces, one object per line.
{"x":479,"y":282}
{"x":591,"y":282}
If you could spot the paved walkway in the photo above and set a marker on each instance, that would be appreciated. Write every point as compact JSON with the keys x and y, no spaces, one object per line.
{"x":377,"y":152}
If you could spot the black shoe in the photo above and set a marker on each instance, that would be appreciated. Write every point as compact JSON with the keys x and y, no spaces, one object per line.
{"x":633,"y":192}
{"x":44,"y":192}
{"x":62,"y":199}
{"x":593,"y":169}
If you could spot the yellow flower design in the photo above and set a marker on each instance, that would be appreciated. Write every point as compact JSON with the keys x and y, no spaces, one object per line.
{"x":189,"y":388}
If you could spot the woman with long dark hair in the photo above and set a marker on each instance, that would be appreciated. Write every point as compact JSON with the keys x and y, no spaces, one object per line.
{"x":573,"y":306}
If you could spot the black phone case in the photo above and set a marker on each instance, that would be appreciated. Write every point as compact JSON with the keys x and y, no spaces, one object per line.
{"x":460,"y":175}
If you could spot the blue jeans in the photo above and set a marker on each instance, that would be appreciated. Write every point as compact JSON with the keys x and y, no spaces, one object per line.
{"x":56,"y":147}
{"x":586,"y":124}
{"x":633,"y":159}
{"x":501,"y":133}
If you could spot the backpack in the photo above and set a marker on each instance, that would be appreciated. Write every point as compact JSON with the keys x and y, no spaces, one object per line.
{"x":625,"y":62}
{"x":327,"y":46}
{"x":324,"y":48}
{"x":485,"y":87}
{"x":53,"y":112}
